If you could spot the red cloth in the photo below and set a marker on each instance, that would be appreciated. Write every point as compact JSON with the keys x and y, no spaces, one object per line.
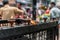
{"x":47,"y":11}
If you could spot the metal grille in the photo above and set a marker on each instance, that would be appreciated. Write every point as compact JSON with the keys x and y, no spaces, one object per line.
{"x":49,"y":34}
{"x":46,"y":31}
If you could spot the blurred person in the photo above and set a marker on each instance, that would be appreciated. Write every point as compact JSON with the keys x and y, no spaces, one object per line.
{"x":20,"y":15}
{"x":54,"y":12}
{"x":46,"y":15}
{"x":19,"y":6}
{"x":29,"y":12}
{"x":47,"y":11}
{"x":9,"y":12}
{"x":41,"y":10}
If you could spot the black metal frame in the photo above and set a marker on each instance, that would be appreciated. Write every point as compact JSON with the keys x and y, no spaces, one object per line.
{"x":45,"y":31}
{"x":34,"y":9}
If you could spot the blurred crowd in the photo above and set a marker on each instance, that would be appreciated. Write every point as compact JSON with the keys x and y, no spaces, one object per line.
{"x":48,"y":14}
{"x":27,"y":11}
{"x":16,"y":10}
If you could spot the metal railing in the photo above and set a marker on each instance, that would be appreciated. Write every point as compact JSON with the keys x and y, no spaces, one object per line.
{"x":16,"y":21}
{"x":45,"y":31}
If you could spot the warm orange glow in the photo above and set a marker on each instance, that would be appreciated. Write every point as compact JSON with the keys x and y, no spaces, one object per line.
{"x":33,"y":22}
